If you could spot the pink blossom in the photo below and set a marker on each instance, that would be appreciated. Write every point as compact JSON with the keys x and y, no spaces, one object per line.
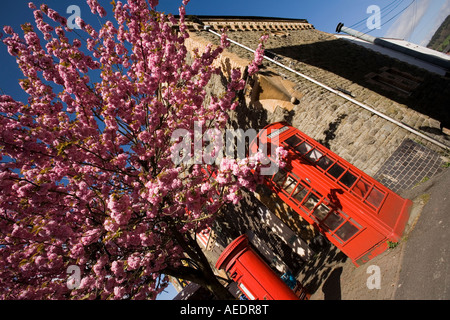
{"x":119,"y":292}
{"x":259,"y":56}
{"x":153,"y":3}
{"x":77,"y":251}
{"x":281,"y":156}
{"x":117,"y":268}
{"x":134,"y":261}
{"x":90,"y":236}
{"x":86,"y":173}
{"x":87,"y":282}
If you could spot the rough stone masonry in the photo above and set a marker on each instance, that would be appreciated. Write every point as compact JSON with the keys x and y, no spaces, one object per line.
{"x":362,"y":138}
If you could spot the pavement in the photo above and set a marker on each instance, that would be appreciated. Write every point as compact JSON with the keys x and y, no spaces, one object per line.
{"x":416,"y":269}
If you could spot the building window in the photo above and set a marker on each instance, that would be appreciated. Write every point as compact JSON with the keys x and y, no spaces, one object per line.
{"x":394,"y":80}
{"x":314,"y":155}
{"x":361,"y":188}
{"x":321,"y":211}
{"x":348,"y":179}
{"x":336,"y":170}
{"x":324,"y":163}
{"x":311,"y":201}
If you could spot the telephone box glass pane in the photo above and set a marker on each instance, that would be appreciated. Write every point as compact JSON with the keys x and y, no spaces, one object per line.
{"x":375,"y":197}
{"x":311,"y":202}
{"x":324,"y":162}
{"x":348,"y":179}
{"x":333,"y":221}
{"x":361,"y":188}
{"x":336,"y":170}
{"x":293,"y":141}
{"x":321,"y":212}
{"x":304,"y":147}
{"x":347,"y":231}
{"x":300,"y":193}
{"x":289,"y":184}
{"x":279,"y":177}
{"x":314,"y":155}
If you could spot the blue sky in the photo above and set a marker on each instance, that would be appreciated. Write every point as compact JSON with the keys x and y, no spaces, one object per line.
{"x":416,"y":23}
{"x":413,"y":21}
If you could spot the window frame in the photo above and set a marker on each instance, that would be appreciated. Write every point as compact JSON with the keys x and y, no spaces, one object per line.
{"x":351,"y":222}
{"x":311,"y":193}
{"x":306,"y":189}
{"x":325,"y":163}
{"x":294,"y":187}
{"x":346,"y":219}
{"x":300,"y":140}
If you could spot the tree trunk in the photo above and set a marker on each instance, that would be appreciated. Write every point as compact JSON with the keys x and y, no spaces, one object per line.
{"x":204,"y":278}
{"x":203,"y":275}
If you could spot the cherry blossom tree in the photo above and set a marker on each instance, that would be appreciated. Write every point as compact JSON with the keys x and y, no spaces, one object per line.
{"x":87,"y":177}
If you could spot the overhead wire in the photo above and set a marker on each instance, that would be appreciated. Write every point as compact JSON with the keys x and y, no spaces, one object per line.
{"x":357,"y":24}
{"x":385,"y":15}
{"x":385,"y":12}
{"x":413,"y":1}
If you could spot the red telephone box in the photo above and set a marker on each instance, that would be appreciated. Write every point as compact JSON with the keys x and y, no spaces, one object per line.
{"x":253,"y":276}
{"x":355,"y":212}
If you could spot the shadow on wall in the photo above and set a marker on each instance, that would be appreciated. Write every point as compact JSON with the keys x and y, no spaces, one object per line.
{"x":330,"y":133}
{"x":350,"y":61}
{"x":235,"y":220}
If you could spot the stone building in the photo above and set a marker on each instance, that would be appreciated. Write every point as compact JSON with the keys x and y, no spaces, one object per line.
{"x":398,"y":157}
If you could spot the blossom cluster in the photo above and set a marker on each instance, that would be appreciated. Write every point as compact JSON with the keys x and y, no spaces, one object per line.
{"x":259,"y":56}
{"x":86,"y":176}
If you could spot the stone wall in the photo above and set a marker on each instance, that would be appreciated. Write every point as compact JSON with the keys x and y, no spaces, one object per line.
{"x":246,"y":23}
{"x":360,"y":137}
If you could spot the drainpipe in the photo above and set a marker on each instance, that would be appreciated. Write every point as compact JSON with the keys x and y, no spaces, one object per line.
{"x":342,"y":95}
{"x":341,"y":28}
